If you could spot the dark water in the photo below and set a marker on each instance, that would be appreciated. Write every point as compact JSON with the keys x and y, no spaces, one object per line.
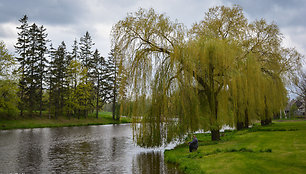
{"x":92,"y":149}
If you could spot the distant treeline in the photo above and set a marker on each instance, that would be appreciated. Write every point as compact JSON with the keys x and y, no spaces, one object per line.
{"x":54,"y":80}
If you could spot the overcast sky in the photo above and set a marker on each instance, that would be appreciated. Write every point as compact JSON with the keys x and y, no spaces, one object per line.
{"x":66,"y":20}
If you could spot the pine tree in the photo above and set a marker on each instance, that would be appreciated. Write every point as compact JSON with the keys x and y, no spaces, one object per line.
{"x":101,"y":75}
{"x":86,"y":57}
{"x":96,"y":75}
{"x":58,"y":70}
{"x":86,"y":54}
{"x":42,"y":50}
{"x":32,"y":69}
{"x":50,"y":77}
{"x":22,"y":47}
{"x":75,"y":57}
{"x":113,"y":78}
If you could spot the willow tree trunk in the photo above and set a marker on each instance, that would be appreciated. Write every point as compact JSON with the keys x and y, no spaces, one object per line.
{"x":215,"y":135}
{"x":246,"y":119}
{"x":266,"y":120}
{"x":239,"y":125}
{"x":215,"y":131}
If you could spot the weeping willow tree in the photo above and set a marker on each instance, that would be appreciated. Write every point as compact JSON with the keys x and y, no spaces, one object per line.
{"x":209,"y":65}
{"x":222,"y":71}
{"x":262,"y":55}
{"x":147,"y":40}
{"x":275,"y":62}
{"x":244,"y":91}
{"x":177,"y":86}
{"x":229,"y":23}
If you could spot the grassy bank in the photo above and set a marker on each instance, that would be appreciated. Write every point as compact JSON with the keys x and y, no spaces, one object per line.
{"x":37,"y":122}
{"x":279,"y":148}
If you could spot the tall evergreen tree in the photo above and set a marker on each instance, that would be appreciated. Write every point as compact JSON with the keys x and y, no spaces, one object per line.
{"x":31,"y":47}
{"x":58,"y":71}
{"x":86,"y":53}
{"x":96,"y":74}
{"x":50,"y":77}
{"x":75,"y":57}
{"x":72,"y":77}
{"x":22,"y":47}
{"x":113,"y":80}
{"x":101,"y":74}
{"x":86,"y":57}
{"x":42,"y":67}
{"x":32,"y":69}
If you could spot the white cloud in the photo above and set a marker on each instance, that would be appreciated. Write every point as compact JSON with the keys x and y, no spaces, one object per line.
{"x":295,"y":37}
{"x":8,"y":35}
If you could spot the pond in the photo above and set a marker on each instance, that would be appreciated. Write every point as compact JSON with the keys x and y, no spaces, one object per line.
{"x":89,"y":149}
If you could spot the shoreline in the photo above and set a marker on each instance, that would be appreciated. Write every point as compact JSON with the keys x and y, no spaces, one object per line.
{"x":37,"y":122}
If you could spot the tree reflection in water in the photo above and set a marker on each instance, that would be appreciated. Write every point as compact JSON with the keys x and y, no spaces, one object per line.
{"x":152,"y":162}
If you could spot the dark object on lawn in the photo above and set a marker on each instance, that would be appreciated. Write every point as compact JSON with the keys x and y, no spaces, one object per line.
{"x":193,"y":145}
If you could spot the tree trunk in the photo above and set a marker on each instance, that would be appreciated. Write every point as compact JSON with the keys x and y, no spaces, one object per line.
{"x":85,"y":97}
{"x":114,"y":109}
{"x":40,"y":98}
{"x":215,"y":135}
{"x":246,"y":119}
{"x":50,"y":87}
{"x":266,"y":120}
{"x":21,"y":108}
{"x":97,"y":108}
{"x":269,"y":121}
{"x":215,"y":132}
{"x":22,"y":85}
{"x":21,"y":112}
{"x":115,"y":90}
{"x":239,"y":125}
{"x":97,"y":105}
{"x":22,"y":99}
{"x":114,"y":101}
{"x":262,"y":122}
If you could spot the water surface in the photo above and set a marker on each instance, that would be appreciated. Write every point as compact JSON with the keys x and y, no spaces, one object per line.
{"x":89,"y":149}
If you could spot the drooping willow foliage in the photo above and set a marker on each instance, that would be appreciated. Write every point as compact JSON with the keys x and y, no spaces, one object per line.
{"x":222,"y":71}
{"x":147,"y":41}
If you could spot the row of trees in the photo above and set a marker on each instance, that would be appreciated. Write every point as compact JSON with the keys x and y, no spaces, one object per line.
{"x":60,"y":82}
{"x":224,"y":70}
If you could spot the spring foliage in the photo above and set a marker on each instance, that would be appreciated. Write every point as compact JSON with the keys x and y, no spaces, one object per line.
{"x":221,"y":71}
{"x":8,"y":87}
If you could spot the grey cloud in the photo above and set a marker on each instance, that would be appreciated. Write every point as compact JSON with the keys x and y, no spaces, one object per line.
{"x":42,"y":11}
{"x":283,"y":12}
{"x":69,"y":19}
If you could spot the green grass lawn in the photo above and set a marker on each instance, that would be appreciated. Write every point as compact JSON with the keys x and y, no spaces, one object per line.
{"x":37,"y":122}
{"x":279,"y":148}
